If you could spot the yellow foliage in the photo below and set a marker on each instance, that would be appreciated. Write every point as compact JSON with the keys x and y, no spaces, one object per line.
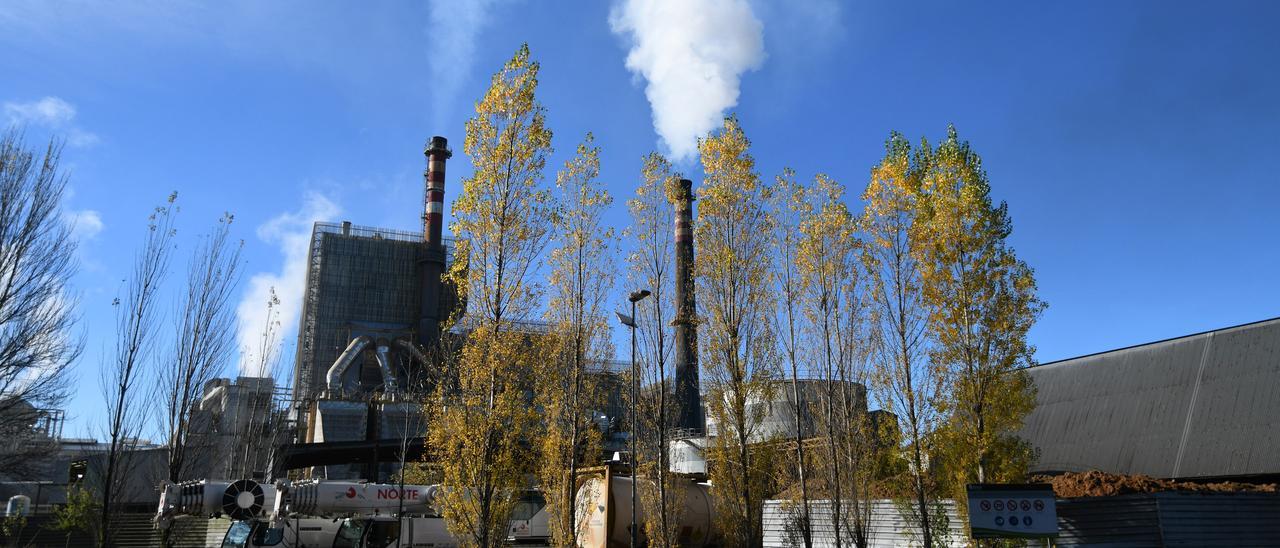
{"x":482,"y":423}
{"x":736,"y":305}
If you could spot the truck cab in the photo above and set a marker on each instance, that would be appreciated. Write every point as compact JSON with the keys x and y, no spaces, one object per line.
{"x":384,"y":532}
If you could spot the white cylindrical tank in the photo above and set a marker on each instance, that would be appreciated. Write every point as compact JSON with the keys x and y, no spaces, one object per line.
{"x":604,"y":513}
{"x":19,"y":505}
{"x":331,"y":499}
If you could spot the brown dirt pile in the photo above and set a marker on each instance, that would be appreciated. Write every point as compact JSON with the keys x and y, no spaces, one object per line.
{"x":1101,"y":484}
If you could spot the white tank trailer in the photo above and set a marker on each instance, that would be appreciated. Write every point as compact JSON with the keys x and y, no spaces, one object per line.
{"x":604,"y":513}
{"x":338,"y":499}
{"x":370,"y":510}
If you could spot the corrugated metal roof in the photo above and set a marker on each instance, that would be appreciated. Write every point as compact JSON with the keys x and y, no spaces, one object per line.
{"x":887,"y":526}
{"x":1203,"y":405}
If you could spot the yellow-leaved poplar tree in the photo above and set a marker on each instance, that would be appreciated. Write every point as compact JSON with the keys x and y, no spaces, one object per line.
{"x":568,"y":387}
{"x":982,"y":302}
{"x":736,"y":307}
{"x":481,"y":422}
{"x":905,"y":380}
{"x":827,"y":261}
{"x":790,"y":208}
{"x":650,"y":266}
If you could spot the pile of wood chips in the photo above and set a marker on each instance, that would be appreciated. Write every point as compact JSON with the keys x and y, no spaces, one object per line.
{"x":1101,"y":484}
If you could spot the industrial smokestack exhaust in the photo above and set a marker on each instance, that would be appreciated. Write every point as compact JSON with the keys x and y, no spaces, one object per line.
{"x":689,"y":410}
{"x":431,"y":258}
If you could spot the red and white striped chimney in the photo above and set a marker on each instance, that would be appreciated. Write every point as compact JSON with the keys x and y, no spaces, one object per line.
{"x":437,"y":153}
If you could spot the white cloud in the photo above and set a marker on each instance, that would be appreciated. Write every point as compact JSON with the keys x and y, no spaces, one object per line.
{"x":290,"y":233}
{"x":692,"y":54}
{"x":451,"y":42}
{"x":85,"y":224}
{"x":53,"y":113}
{"x":50,"y":111}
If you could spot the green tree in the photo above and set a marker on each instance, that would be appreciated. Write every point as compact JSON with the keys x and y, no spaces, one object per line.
{"x":77,"y":515}
{"x":982,"y":302}
{"x":580,"y":279}
{"x":736,"y":302}
{"x":481,"y":427}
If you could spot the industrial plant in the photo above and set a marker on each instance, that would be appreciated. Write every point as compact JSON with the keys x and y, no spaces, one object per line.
{"x":323,"y":459}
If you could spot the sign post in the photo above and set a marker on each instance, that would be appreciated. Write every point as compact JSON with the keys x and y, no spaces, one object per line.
{"x":1012,"y":511}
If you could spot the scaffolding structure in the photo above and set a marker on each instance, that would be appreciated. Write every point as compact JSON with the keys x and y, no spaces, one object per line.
{"x":360,"y":281}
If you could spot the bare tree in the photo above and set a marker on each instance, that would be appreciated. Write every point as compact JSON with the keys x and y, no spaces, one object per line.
{"x":137,"y":320}
{"x":257,"y":422}
{"x":36,"y":314}
{"x":204,"y":340}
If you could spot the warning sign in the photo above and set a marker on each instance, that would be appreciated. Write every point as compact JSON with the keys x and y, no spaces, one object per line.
{"x":1018,"y":511}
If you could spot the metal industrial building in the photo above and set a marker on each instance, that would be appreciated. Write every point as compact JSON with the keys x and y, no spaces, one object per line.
{"x":1201,"y":406}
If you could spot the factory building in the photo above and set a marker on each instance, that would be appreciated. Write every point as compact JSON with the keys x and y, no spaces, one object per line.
{"x":372,"y":308}
{"x":1202,"y":406}
{"x":373,"y":300}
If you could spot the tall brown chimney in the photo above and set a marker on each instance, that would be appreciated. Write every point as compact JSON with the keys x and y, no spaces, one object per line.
{"x":688,"y":399}
{"x":433,"y":217}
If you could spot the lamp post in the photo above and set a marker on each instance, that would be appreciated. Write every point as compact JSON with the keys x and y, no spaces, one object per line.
{"x":630,"y":321}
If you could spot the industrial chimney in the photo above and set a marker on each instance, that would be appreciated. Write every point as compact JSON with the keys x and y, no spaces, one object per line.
{"x":689,"y":410}
{"x":431,"y":262}
{"x":437,"y":153}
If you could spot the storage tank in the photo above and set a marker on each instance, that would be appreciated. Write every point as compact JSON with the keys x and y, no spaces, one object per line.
{"x":331,"y":499}
{"x":604,"y":513}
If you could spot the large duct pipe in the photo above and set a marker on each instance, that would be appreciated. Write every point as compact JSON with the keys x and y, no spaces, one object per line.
{"x":431,"y":263}
{"x":334,"y":377}
{"x":389,"y":382}
{"x":688,"y":409}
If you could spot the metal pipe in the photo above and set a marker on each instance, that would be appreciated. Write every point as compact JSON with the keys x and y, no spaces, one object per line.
{"x":390,"y":385}
{"x":334,"y":377}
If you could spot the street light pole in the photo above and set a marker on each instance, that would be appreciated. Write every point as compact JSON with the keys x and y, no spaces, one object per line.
{"x":630,"y":321}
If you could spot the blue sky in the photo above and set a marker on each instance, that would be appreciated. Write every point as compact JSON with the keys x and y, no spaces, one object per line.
{"x":1134,"y":142}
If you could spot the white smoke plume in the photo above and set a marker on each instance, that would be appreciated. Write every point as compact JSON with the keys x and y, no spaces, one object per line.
{"x":692,"y":54}
{"x":290,"y":233}
{"x":451,"y":42}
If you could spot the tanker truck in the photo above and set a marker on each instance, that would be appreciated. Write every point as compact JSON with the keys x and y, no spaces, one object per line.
{"x":365,"y":513}
{"x":248,"y":504}
{"x":603,"y":513}
{"x":331,"y":514}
